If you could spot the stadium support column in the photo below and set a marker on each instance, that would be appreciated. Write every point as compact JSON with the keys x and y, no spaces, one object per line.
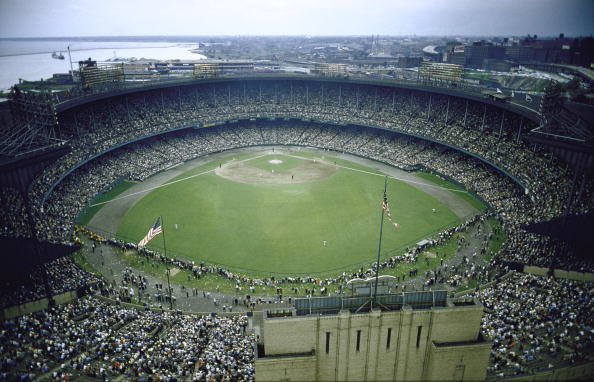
{"x":166,"y":265}
{"x":519,"y":131}
{"x":501,"y":125}
{"x":179,"y":99}
{"x":379,"y":246}
{"x":127,"y":110}
{"x":393,"y":101}
{"x":484,"y":115}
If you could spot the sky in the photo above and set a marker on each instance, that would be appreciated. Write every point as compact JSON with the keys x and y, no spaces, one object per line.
{"x":62,"y":18}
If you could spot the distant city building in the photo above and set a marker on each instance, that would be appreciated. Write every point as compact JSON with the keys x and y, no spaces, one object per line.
{"x":415,"y":336}
{"x":561,"y":50}
{"x":519,"y":53}
{"x":455,"y":55}
{"x":479,"y":51}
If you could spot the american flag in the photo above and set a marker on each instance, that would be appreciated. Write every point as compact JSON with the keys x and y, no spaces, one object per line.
{"x":154,"y":231}
{"x":386,"y":208}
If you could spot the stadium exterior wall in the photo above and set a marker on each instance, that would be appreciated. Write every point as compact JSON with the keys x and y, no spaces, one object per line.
{"x":424,"y":344}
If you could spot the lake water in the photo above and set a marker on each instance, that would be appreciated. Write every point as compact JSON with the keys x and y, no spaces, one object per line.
{"x":32,"y":60}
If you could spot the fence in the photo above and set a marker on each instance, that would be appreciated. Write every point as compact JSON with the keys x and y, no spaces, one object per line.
{"x":334,"y":304}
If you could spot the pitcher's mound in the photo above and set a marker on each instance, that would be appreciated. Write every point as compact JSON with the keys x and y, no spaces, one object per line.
{"x":244,"y":172}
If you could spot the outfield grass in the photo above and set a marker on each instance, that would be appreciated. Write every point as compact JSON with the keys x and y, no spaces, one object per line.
{"x":87,"y":215}
{"x":438,"y":181}
{"x":265,"y":229}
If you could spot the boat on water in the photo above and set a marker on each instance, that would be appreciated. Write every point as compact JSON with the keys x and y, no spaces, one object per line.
{"x":58,"y":56}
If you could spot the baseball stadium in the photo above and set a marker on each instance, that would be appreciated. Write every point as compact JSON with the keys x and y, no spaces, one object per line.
{"x":188,"y":219}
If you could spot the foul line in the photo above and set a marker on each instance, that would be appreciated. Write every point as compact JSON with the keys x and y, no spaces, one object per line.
{"x":286,"y":154}
{"x":170,"y":183}
{"x":382,"y":175}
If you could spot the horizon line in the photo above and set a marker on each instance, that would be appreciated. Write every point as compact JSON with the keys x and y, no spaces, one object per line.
{"x":282,"y":35}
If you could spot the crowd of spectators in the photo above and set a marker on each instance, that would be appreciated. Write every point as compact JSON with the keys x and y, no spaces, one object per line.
{"x":94,"y":338}
{"x":537,"y":323}
{"x":60,"y":276}
{"x":13,"y":220}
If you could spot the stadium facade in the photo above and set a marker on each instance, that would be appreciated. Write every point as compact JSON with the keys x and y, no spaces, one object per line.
{"x":435,"y":340}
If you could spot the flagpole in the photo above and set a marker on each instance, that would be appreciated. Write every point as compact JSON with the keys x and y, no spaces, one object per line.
{"x":379,"y":247}
{"x":166,"y":264}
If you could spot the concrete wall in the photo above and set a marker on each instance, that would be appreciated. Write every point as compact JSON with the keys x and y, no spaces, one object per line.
{"x":460,"y":324}
{"x":35,"y":306}
{"x":301,"y":368}
{"x":560,"y":273}
{"x":537,"y":271}
{"x":570,"y":275}
{"x":458,"y":362}
{"x":277,"y":341}
{"x":410,"y":354}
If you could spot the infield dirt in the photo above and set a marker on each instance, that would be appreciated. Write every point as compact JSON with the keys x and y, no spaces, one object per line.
{"x":244,"y":172}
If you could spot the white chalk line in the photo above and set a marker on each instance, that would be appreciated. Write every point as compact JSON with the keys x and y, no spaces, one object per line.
{"x":289,"y":155}
{"x":170,"y":183}
{"x":383,"y":175}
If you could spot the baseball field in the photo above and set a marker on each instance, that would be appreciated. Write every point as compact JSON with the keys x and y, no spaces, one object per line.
{"x":291,"y":213}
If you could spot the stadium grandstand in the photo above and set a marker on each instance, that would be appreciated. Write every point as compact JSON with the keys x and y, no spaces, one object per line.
{"x":530,"y":163}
